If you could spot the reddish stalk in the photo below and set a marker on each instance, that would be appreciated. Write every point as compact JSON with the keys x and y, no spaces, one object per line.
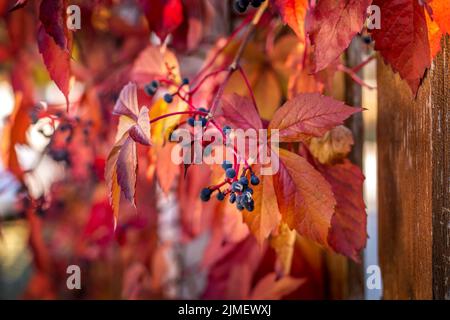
{"x":354,"y":76}
{"x":178,"y":113}
{"x":249,"y":87}
{"x":222,"y":48}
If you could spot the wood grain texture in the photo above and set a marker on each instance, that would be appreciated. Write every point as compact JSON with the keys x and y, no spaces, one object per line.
{"x":412,"y":135}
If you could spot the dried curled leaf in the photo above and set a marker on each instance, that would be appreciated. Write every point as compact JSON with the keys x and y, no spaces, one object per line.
{"x":121,"y":165}
{"x":333,"y":146}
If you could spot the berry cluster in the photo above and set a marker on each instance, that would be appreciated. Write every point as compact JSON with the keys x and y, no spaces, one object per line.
{"x":191,"y":121}
{"x":240,"y":191}
{"x":151,"y":88}
{"x":242,"y":5}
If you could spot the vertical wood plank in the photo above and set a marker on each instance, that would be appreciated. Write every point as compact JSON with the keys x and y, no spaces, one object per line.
{"x":412,"y":135}
{"x":440,"y":83}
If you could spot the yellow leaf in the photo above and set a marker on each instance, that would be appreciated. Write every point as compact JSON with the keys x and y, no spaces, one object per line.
{"x":283,"y":244}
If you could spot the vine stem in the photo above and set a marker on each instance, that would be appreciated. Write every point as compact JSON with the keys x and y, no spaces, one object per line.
{"x":235,"y":63}
{"x":178,"y":113}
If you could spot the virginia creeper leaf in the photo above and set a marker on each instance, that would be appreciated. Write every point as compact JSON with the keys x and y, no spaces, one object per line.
{"x":403,"y":39}
{"x":348,"y":225}
{"x":266,"y":216}
{"x":332,"y":27}
{"x":57,"y":61}
{"x":163,"y":16}
{"x":304,"y":197}
{"x":283,"y":244}
{"x":441,"y":14}
{"x":239,"y":112}
{"x":126,"y":169}
{"x":52,"y":14}
{"x":293,"y":13}
{"x":309,"y":115}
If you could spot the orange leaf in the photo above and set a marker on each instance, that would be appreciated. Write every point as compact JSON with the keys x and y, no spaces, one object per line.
{"x":441,"y":14}
{"x":266,"y":215}
{"x":293,"y":13}
{"x":283,"y":244}
{"x":304,"y":197}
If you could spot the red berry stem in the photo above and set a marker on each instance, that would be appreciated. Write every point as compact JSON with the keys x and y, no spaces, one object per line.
{"x":249,"y":87}
{"x":178,"y":113}
{"x":244,"y":23}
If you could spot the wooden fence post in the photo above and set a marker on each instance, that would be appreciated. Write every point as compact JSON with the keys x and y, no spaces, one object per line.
{"x":413,"y":183}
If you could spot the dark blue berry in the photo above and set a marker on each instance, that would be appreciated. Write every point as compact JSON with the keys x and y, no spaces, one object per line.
{"x":185,"y":81}
{"x":250,"y":190}
{"x":226,"y":129}
{"x":205,"y":195}
{"x":226,"y":165}
{"x":203,"y":110}
{"x":204,"y":121}
{"x":220,"y":196}
{"x":254,"y":180}
{"x":367,"y":39}
{"x":168,"y":98}
{"x":154,"y":84}
{"x":238,"y":7}
{"x":244,"y":181}
{"x":230,"y":173}
{"x":233,"y":197}
{"x":237,"y":187}
{"x":240,"y":207}
{"x":256,"y":3}
{"x":191,"y":122}
{"x":150,"y":90}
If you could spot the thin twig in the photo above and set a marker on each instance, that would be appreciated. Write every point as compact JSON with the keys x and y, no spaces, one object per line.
{"x":235,"y":63}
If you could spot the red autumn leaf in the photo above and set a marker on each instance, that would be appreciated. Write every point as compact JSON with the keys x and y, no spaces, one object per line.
{"x":266,"y":215}
{"x":403,"y":39}
{"x":332,"y":27}
{"x":100,"y":226}
{"x":163,"y":16}
{"x":198,"y":15}
{"x":293,"y":13}
{"x":52,"y":14}
{"x":309,"y":115}
{"x":57,"y":61}
{"x":239,"y":112}
{"x":304,"y":197}
{"x":441,"y":14}
{"x":348,"y":233}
